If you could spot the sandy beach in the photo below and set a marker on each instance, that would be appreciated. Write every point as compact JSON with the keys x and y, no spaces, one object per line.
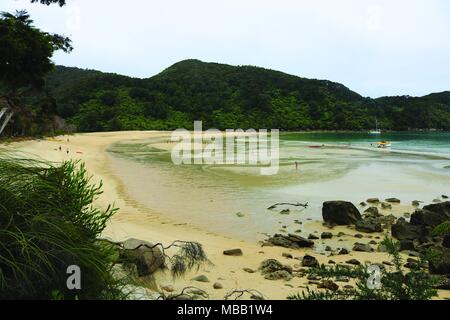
{"x":137,"y":219}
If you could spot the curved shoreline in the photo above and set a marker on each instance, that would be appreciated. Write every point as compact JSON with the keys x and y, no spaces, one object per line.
{"x":138,"y":221}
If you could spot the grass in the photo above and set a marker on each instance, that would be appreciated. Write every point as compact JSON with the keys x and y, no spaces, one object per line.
{"x":47,"y":223}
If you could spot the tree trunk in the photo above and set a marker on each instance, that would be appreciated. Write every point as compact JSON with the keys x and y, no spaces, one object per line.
{"x":7,"y":113}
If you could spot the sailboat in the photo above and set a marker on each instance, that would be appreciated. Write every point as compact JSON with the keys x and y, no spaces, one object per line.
{"x":376,"y":131}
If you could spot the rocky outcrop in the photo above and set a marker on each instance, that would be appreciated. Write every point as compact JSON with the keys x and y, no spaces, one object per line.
{"x":340,"y":213}
{"x":310,"y":262}
{"x":402,"y":230}
{"x":272,"y":269}
{"x":143,"y":254}
{"x":289,"y":241}
{"x":441,"y":265}
{"x":432,"y":215}
{"x":368,"y":226}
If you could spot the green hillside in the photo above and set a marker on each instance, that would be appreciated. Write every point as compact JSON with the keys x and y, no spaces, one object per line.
{"x":225,"y":96}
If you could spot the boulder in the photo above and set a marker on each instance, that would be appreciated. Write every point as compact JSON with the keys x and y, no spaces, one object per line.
{"x":427,"y":218}
{"x":272,"y":269}
{"x":313,"y":237}
{"x":372,"y":212}
{"x":143,"y":254}
{"x":386,"y":206}
{"x":393,"y":200}
{"x":407,"y":245}
{"x":353,"y":262}
{"x":373,"y":200}
{"x":343,"y":251}
{"x":289,"y":241}
{"x":279,"y":275}
{"x":441,"y":265}
{"x":200,"y":278}
{"x":326,"y":235}
{"x":403,"y":230}
{"x":442,"y":208}
{"x":340,"y":213}
{"x":233,"y":252}
{"x":415,"y":203}
{"x":368,"y":226}
{"x":362,"y":247}
{"x":310,"y":262}
{"x":217,"y":286}
{"x":328,"y":284}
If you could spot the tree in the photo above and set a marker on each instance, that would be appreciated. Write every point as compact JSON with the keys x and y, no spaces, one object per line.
{"x":25,"y":58}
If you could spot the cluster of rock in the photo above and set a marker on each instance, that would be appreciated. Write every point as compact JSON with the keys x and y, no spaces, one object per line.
{"x":291,"y":241}
{"x":416,"y":235}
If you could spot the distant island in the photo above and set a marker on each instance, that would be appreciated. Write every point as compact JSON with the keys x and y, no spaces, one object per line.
{"x":224,"y":96}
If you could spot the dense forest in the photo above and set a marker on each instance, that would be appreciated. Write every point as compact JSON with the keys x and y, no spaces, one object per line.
{"x":225,"y":96}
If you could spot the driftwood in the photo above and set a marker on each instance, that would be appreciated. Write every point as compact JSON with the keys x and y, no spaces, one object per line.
{"x":239,"y":293}
{"x":298,"y":204}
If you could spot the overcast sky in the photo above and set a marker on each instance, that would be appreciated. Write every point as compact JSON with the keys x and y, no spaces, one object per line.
{"x":374,"y":47}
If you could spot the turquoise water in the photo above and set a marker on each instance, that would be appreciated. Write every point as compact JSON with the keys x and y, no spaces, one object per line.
{"x":417,"y":167}
{"x":416,"y":142}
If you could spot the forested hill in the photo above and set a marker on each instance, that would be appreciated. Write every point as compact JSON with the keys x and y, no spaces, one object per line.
{"x":225,"y":96}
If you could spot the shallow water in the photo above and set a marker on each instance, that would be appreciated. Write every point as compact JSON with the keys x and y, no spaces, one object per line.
{"x":211,"y":196}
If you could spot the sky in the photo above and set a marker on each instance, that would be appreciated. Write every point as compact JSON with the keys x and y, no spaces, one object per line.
{"x":374,"y":47}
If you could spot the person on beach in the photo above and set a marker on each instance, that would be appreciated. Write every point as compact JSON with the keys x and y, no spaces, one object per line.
{"x":296,"y":165}
{"x":60,"y":149}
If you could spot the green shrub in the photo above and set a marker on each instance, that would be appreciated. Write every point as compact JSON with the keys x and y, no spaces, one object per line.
{"x":47,"y":223}
{"x":395,"y":284}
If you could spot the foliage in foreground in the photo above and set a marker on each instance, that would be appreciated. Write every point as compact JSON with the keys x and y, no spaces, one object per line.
{"x":396,"y":284}
{"x":47,"y":223}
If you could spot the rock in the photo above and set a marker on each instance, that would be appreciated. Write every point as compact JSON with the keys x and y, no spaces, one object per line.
{"x":403,"y":230}
{"x":393,"y":200}
{"x":373,"y":242}
{"x":359,"y":236}
{"x":436,"y":200}
{"x":287,"y":255}
{"x":279,"y":275}
{"x":313,"y":237}
{"x":410,"y":265}
{"x":388,"y":263}
{"x":415,"y":203}
{"x":342,"y":279}
{"x":343,"y":251}
{"x":233,"y":252}
{"x":363,"y":204}
{"x":341,"y":234}
{"x":313,"y":277}
{"x":361,"y":247}
{"x":348,"y":287}
{"x":328,"y":249}
{"x":285,"y":211}
{"x":331,"y":262}
{"x":353,"y":262}
{"x":143,"y":254}
{"x":407,"y":245}
{"x":200,"y":278}
{"x":326,"y":235}
{"x":441,"y":282}
{"x":446,"y":241}
{"x":373,"y":200}
{"x":310,"y":262}
{"x":240,"y":215}
{"x":217,"y":286}
{"x":289,"y":241}
{"x":372,"y":212}
{"x":248,"y":270}
{"x":407,"y":215}
{"x":340,"y":213}
{"x":368,"y":226}
{"x":442,"y":264}
{"x":329,"y":285}
{"x":444,"y":196}
{"x":272,"y":265}
{"x":386,"y":206}
{"x":427,"y":218}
